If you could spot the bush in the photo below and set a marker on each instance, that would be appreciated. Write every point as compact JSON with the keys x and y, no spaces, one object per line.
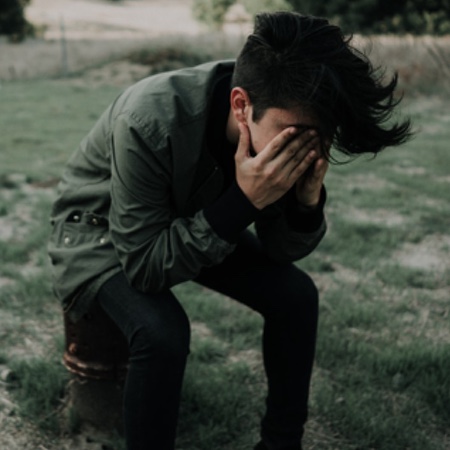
{"x":211,"y":12}
{"x":12,"y":20}
{"x":382,"y":16}
{"x":255,"y":6}
{"x":169,"y":58}
{"x":362,"y":16}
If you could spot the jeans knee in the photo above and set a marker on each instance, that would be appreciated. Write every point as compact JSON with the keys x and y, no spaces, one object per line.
{"x":310,"y":290}
{"x":300,"y":296}
{"x":160,"y":340}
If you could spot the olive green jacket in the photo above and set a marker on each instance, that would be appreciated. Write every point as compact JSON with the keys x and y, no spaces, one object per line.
{"x":132,"y":194}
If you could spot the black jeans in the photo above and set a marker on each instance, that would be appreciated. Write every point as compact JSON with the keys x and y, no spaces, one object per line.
{"x":158,"y":333}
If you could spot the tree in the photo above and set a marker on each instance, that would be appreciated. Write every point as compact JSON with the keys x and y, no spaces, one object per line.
{"x":255,"y":6}
{"x":12,"y":20}
{"x":211,"y":12}
{"x":382,"y":16}
{"x":361,"y":16}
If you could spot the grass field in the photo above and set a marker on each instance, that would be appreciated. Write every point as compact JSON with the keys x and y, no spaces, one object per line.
{"x":381,"y":378}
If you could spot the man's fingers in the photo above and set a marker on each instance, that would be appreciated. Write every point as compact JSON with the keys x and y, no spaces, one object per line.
{"x":243,"y":150}
{"x":299,"y":148}
{"x":321,"y":168}
{"x":297,"y":167}
{"x":278,"y":144}
{"x":316,"y":173}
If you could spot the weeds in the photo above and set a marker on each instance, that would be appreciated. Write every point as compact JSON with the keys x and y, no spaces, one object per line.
{"x":39,"y":389}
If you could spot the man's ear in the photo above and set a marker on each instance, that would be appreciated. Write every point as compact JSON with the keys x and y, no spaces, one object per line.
{"x":240,"y":104}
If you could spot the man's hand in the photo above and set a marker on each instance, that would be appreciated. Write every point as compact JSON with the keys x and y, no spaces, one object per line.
{"x":309,"y":184}
{"x":284,"y":161}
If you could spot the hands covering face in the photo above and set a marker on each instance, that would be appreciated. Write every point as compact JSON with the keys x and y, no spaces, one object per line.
{"x":292,"y":157}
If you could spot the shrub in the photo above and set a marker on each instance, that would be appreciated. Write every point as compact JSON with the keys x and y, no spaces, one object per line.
{"x":255,"y":6}
{"x":211,"y":12}
{"x":382,"y":16}
{"x":169,"y":58}
{"x":12,"y":20}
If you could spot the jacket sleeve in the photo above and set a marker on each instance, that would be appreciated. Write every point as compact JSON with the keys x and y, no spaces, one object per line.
{"x":156,"y":248}
{"x":285,"y":239}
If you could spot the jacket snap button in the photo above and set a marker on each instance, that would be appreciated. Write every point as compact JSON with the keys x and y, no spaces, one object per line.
{"x":76,"y":218}
{"x":67,"y":240}
{"x":102,"y":240}
{"x":94,"y":221}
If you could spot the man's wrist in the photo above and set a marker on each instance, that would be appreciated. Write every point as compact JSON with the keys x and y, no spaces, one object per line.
{"x":231,"y":213}
{"x":308,"y":207}
{"x":305,"y":218}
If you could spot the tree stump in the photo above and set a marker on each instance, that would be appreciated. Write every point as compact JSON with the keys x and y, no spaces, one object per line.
{"x":96,"y":353}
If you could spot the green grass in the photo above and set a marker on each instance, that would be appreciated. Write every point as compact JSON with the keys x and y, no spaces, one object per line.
{"x":41,"y":130}
{"x":39,"y":388}
{"x":387,"y":400}
{"x":218,"y":403}
{"x":383,"y":355}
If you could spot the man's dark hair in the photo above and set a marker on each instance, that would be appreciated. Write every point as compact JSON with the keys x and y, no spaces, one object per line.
{"x":292,"y":60}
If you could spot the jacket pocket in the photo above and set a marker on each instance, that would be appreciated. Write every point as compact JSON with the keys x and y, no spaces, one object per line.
{"x":84,"y":229}
{"x":80,"y":249}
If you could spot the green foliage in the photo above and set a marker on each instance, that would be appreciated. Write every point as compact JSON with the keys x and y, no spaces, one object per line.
{"x":362,"y":16}
{"x":409,"y":387}
{"x":38,"y":389}
{"x":169,"y":58}
{"x":404,"y":277}
{"x":382,"y":16}
{"x":34,"y":145}
{"x":219,"y":405}
{"x":255,"y":6}
{"x":12,"y":20}
{"x":211,"y":12}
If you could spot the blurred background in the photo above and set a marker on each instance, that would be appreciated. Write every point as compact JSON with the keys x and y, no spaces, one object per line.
{"x":60,"y":37}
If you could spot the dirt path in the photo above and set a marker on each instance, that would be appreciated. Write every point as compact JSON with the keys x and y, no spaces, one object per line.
{"x":95,"y":19}
{"x":80,"y":33}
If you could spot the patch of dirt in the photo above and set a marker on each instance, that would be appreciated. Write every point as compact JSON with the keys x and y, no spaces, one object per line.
{"x":431,"y":254}
{"x":376,"y":216}
{"x":251,"y":357}
{"x":368,"y":181}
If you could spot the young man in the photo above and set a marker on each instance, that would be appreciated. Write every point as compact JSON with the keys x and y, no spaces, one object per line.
{"x":164,"y":187}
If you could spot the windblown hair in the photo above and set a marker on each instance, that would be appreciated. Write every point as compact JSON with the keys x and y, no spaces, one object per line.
{"x":292,"y":60}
